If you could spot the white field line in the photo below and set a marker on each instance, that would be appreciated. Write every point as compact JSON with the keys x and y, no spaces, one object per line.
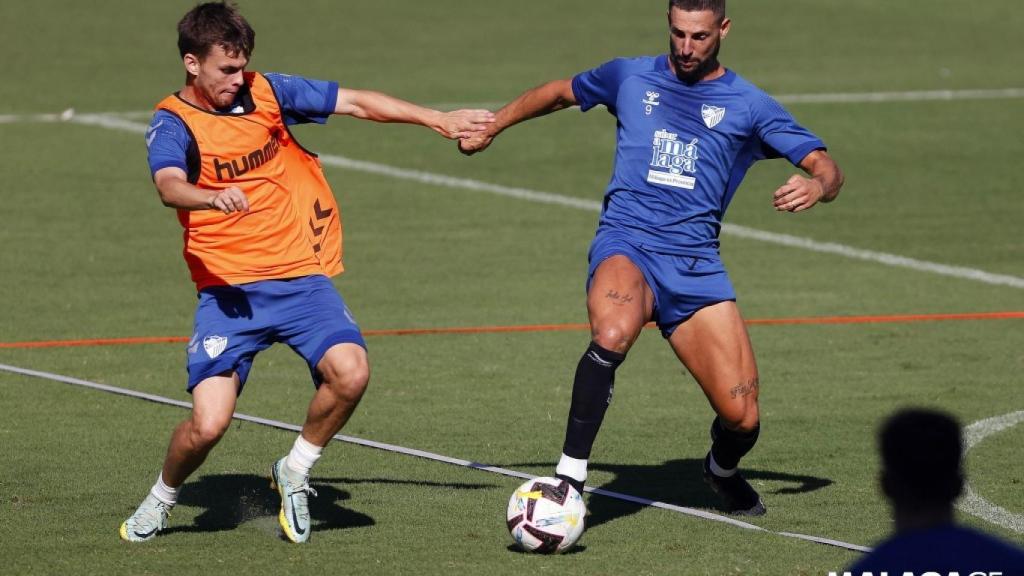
{"x":877,"y":257}
{"x":431,"y":456}
{"x":26,"y":118}
{"x":117,"y":123}
{"x":908,"y":96}
{"x":972,"y":502}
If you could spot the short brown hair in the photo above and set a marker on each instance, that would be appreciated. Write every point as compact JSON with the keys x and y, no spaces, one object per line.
{"x":716,"y":6}
{"x":215,"y":24}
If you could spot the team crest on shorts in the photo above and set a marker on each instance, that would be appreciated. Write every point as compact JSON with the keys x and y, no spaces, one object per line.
{"x":214,"y":345}
{"x":712,"y":115}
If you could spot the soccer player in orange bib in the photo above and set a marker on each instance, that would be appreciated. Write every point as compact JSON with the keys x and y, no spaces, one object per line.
{"x":262,"y":236}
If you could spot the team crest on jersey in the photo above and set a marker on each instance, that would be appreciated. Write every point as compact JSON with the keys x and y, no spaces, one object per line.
{"x":712,"y":115}
{"x":651,"y":101}
{"x":214,"y":345}
{"x":678,"y":157}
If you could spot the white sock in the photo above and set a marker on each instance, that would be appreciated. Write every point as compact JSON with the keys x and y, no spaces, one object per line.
{"x":718,"y":470}
{"x":303,"y":456}
{"x":572,"y":467}
{"x":163,"y":492}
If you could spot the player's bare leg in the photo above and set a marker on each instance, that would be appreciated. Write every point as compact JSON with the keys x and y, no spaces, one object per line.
{"x":619,"y":303}
{"x":213,"y":404}
{"x":715,"y":347}
{"x":345,"y":372}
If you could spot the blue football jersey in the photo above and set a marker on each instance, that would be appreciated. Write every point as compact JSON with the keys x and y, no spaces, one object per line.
{"x":682,"y":150}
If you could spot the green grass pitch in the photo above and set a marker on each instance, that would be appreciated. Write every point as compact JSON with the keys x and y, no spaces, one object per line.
{"x":89,"y":252}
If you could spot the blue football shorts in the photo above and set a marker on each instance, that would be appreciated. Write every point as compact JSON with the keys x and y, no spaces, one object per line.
{"x":234,"y":323}
{"x":682,"y":285}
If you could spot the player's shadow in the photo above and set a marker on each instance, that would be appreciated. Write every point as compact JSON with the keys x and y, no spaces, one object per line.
{"x":678,"y":482}
{"x":229,"y":500}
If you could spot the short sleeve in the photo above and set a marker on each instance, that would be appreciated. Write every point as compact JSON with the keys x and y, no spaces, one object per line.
{"x":167,"y":142}
{"x":601,"y":85}
{"x":304,"y":100}
{"x":780,"y":135}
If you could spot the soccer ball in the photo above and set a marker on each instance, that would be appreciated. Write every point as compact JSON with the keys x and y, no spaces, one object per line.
{"x":545,"y":515}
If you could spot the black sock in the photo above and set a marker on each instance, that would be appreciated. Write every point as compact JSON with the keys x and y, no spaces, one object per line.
{"x":591,"y":395}
{"x":728,"y":446}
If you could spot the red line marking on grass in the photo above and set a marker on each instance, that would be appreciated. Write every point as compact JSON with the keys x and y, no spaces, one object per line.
{"x":95,"y":342}
{"x":478,"y":329}
{"x":890,"y":319}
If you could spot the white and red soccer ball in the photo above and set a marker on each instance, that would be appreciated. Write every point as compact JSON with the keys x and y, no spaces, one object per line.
{"x":545,"y":515}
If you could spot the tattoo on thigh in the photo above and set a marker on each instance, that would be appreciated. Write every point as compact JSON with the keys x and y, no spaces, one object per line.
{"x":744,"y":388}
{"x":619,"y":298}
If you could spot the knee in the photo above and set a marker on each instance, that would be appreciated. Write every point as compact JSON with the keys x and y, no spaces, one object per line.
{"x":613,"y":337}
{"x":207,"y":431}
{"x":346,"y":376}
{"x":742,"y":418}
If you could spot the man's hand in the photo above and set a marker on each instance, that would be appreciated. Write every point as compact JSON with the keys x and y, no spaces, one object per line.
{"x":476,"y":143}
{"x":544,"y":99}
{"x":798,"y":194}
{"x":461,"y":124}
{"x":230,"y":200}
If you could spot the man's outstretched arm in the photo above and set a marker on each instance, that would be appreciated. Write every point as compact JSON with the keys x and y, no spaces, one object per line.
{"x":380,"y":107}
{"x":545,"y":99}
{"x":800,"y":193}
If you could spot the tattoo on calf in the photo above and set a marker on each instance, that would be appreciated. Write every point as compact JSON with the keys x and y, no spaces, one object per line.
{"x":744,"y":388}
{"x":619,"y":298}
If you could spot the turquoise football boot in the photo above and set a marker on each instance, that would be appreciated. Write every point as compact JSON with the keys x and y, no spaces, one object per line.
{"x":148,"y":520}
{"x":294,"y":492}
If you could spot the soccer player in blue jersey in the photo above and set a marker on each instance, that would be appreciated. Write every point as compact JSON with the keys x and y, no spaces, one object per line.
{"x":688,"y":130}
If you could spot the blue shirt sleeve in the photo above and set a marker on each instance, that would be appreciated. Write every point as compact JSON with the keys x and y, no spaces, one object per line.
{"x":304,"y":100}
{"x":167,"y":141}
{"x":780,"y":135}
{"x":601,"y":85}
